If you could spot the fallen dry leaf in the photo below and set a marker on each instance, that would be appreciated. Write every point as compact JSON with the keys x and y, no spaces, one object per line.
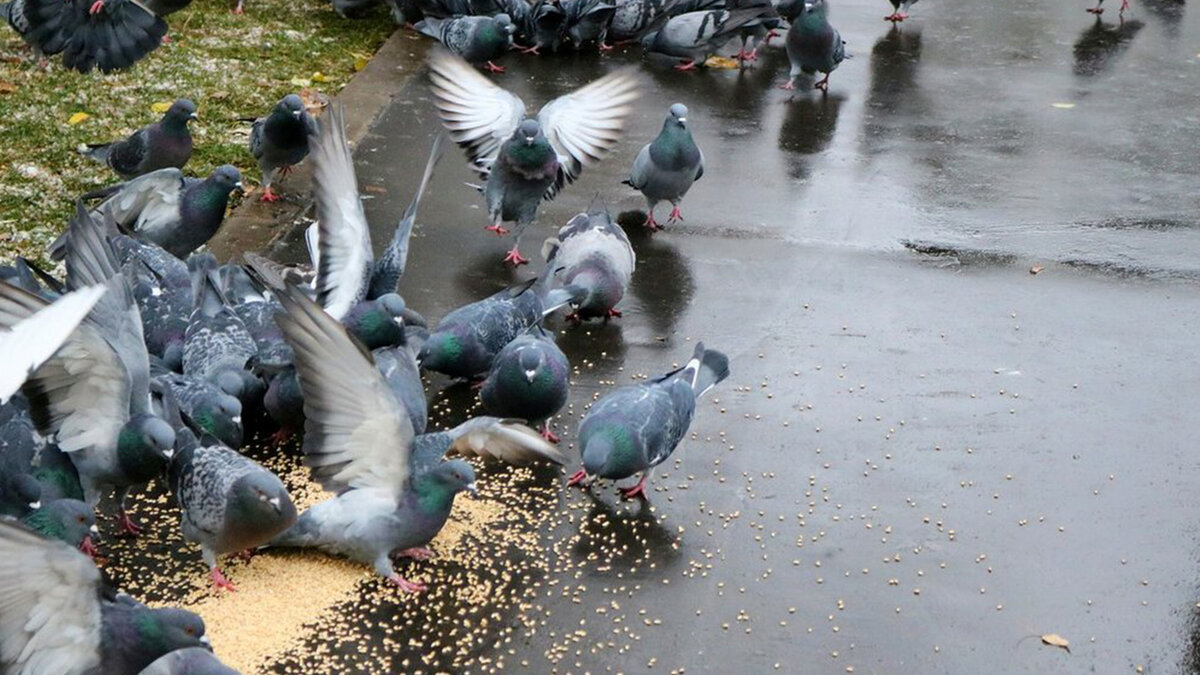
{"x":160,"y":107}
{"x":1056,"y":640}
{"x":319,"y":77}
{"x":314,"y":101}
{"x":360,"y":62}
{"x":721,"y":62}
{"x":77,"y":118}
{"x":301,"y":82}
{"x":1036,"y":269}
{"x":7,"y":87}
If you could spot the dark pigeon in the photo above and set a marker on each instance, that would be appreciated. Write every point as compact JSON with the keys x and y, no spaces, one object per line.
{"x":280,"y":140}
{"x":108,"y":35}
{"x":481,"y":40}
{"x":528,"y":381}
{"x":813,"y":45}
{"x":165,"y":144}
{"x":588,"y":21}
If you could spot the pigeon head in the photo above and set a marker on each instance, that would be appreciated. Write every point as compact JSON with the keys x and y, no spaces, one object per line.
{"x":609,"y":453}
{"x":453,"y":477}
{"x":814,"y":6}
{"x":379,"y":322}
{"x":144,"y":446}
{"x":532,"y":361}
{"x":182,"y":110}
{"x":260,"y":497}
{"x":504,"y":24}
{"x":221,"y":417}
{"x":291,"y":105}
{"x":68,"y":520}
{"x":230,"y":382}
{"x":172,"y":357}
{"x":168,"y":629}
{"x":25,"y":489}
{"x":440,"y":352}
{"x":227,"y":177}
{"x":528,"y":132}
{"x":679,"y":114}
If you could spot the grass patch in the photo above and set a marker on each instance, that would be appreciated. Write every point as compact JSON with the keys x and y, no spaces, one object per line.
{"x":231,"y":66}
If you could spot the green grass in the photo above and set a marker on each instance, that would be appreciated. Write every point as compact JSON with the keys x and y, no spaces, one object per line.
{"x":231,"y":66}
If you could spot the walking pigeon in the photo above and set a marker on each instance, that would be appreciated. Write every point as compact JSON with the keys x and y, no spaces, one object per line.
{"x":665,"y":168}
{"x":593,"y":259}
{"x":695,"y":36}
{"x":635,"y":428}
{"x":900,"y":8}
{"x":812,"y":44}
{"x":588,"y":21}
{"x":525,"y":160}
{"x":165,"y":144}
{"x":280,"y":140}
{"x":481,"y":40}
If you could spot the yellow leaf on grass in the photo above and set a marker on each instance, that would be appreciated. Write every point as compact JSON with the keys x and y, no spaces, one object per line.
{"x":359,"y":64}
{"x":1063,"y":106}
{"x":77,"y":118}
{"x":319,"y":77}
{"x":300,"y":82}
{"x":1056,"y":640}
{"x":160,"y":106}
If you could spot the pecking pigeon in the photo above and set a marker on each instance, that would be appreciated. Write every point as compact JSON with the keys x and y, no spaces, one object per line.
{"x":900,"y":9}
{"x":695,"y":36}
{"x":665,"y":168}
{"x":592,"y":257}
{"x":217,"y":346}
{"x":165,"y":144}
{"x":812,"y":44}
{"x":481,"y":40}
{"x":635,"y":428}
{"x":280,"y":140}
{"x":525,"y":160}
{"x":588,"y":21}
{"x":528,"y":380}
{"x":67,"y":520}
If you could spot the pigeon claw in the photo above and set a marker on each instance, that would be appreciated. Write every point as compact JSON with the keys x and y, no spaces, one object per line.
{"x":638,"y":490}
{"x":514,"y":256}
{"x":651,"y":223}
{"x":416,"y":553}
{"x":530,"y":50}
{"x":550,"y":436}
{"x":1097,"y":10}
{"x":220,"y":582}
{"x":269,"y":196}
{"x":823,"y":84}
{"x":499,"y":229}
{"x":612,"y":313}
{"x":771,"y":34}
{"x":605,"y":47}
{"x":96,"y":7}
{"x":406,"y":585}
{"x":285,"y":170}
{"x":788,"y":86}
{"x":896,"y":17}
{"x":687,"y":65}
{"x":675,"y":215}
{"x":578,"y":478}
{"x":493,"y":68}
{"x":127,"y":525}
{"x":88,"y":548}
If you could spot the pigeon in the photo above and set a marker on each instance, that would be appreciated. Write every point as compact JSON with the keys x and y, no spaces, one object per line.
{"x":165,"y":306}
{"x":506,"y":440}
{"x":812,"y":44}
{"x":31,"y":342}
{"x":110,"y":35}
{"x":217,"y":345}
{"x":20,"y":491}
{"x":190,"y":661}
{"x":206,"y":408}
{"x":635,"y":428}
{"x":587,"y":22}
{"x":280,"y":140}
{"x":525,"y":160}
{"x":164,"y":144}
{"x":665,"y":168}
{"x":228,"y":503}
{"x":755,"y":32}
{"x":467,"y":340}
{"x":377,"y":323}
{"x":358,"y":444}
{"x":27,"y":454}
{"x":528,"y":380}
{"x":900,"y":8}
{"x":631,"y":18}
{"x":59,"y":619}
{"x":399,"y":368}
{"x":481,"y":40}
{"x":67,"y":520}
{"x":1097,"y":10}
{"x":540,"y":23}
{"x":695,"y":36}
{"x":347,"y":272}
{"x":178,"y":213}
{"x":93,"y":396}
{"x":592,"y":257}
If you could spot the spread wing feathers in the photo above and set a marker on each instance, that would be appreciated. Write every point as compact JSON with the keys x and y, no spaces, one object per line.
{"x":146,"y":202}
{"x":34,"y":339}
{"x":344,"y":240}
{"x":49,"y":606}
{"x":586,"y":123}
{"x":357,"y":434}
{"x":506,"y":440}
{"x":479,"y":115}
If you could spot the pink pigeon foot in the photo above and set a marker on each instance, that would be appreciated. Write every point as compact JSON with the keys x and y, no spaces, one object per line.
{"x":788,"y":86}
{"x":493,"y":68}
{"x":638,"y":490}
{"x":529,"y":50}
{"x":88,"y":548}
{"x":282,"y":436}
{"x":269,"y":195}
{"x":689,"y":65}
{"x":651,"y":222}
{"x":1097,"y":10}
{"x":416,"y":553}
{"x":220,"y":582}
{"x":239,"y":9}
{"x":1124,"y":5}
{"x":514,"y":256}
{"x":550,"y":436}
{"x":605,"y":47}
{"x":578,"y":478}
{"x":285,"y":170}
{"x":499,"y":229}
{"x":127,"y":525}
{"x":771,"y":34}
{"x":613,"y":313}
{"x":96,"y":7}
{"x":406,"y":585}
{"x":675,"y":215}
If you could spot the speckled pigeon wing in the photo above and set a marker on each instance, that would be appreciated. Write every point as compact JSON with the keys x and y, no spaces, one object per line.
{"x":479,"y":115}
{"x":356,"y":433}
{"x":204,"y":485}
{"x":50,"y":596}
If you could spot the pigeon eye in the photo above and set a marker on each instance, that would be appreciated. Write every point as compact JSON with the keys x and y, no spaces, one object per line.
{"x":80,"y":519}
{"x":189,"y":630}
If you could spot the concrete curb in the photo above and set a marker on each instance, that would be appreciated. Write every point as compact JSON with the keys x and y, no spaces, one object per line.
{"x":255,"y":225}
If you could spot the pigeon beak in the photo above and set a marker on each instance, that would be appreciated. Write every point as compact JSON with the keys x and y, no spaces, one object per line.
{"x":297,"y":113}
{"x":682,"y":120}
{"x":194,"y":116}
{"x":35,"y":505}
{"x":473,"y":490}
{"x":169,"y":453}
{"x":274,"y":501}
{"x":399,"y":321}
{"x":529,"y":140}
{"x":94,"y":530}
{"x":530,"y":374}
{"x":206,"y":642}
{"x":237,"y":419}
{"x":238,"y":186}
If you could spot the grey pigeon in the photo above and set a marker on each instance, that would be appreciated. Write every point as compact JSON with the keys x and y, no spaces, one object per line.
{"x":631,"y":18}
{"x":467,"y":340}
{"x":109,"y":35}
{"x":67,"y":520}
{"x":1097,"y":10}
{"x":280,"y":140}
{"x":206,"y":408}
{"x":57,"y":618}
{"x":528,"y":380}
{"x":165,"y":144}
{"x":900,"y":8}
{"x":93,"y":396}
{"x":399,"y":368}
{"x":695,"y":36}
{"x":593,"y":258}
{"x":228,"y":503}
{"x":755,"y":32}
{"x":666,"y":167}
{"x":478,"y":39}
{"x":217,"y":346}
{"x":28,"y":343}
{"x":588,"y":21}
{"x":812,"y":44}
{"x":162,"y":288}
{"x":635,"y":428}
{"x":20,"y":491}
{"x":25,"y":454}
{"x":525,"y":160}
{"x":540,"y":24}
{"x":347,"y":272}
{"x":178,"y":213}
{"x":190,"y":661}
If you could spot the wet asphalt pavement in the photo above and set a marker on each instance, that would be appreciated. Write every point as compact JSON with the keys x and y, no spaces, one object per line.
{"x":926,"y":456}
